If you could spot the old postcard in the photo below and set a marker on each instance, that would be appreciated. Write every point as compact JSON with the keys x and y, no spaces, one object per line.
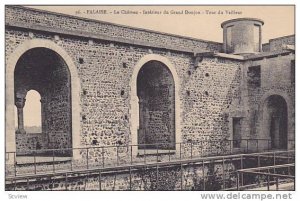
{"x":149,"y":98}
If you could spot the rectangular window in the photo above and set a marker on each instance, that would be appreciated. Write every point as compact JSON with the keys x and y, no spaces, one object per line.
{"x":236,"y":129}
{"x":254,"y":76}
{"x":293,"y":72}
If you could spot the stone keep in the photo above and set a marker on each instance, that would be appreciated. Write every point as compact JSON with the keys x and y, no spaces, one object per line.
{"x":98,"y":88}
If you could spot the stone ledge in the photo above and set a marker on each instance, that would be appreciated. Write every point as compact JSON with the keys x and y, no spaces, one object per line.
{"x":90,"y":35}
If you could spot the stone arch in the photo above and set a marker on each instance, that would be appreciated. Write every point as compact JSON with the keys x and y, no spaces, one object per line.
{"x":10,"y":99}
{"x":264,"y":129}
{"x":134,"y":105}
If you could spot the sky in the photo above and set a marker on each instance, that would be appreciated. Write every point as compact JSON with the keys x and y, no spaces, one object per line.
{"x":279,"y":20}
{"x":32,"y":110}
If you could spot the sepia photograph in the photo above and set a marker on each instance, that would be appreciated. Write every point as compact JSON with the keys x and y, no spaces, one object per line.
{"x":149,"y":98}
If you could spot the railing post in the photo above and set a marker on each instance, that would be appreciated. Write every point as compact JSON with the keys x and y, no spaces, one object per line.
{"x":34,"y":160}
{"x":191,"y":150}
{"x":53,"y":167}
{"x":223,"y":164}
{"x":294,"y":184}
{"x":203,"y":172}
{"x":66,"y":181}
{"x":130,"y":179}
{"x":15,"y":163}
{"x":156,"y":176}
{"x":103,"y":157}
{"x":180,"y":150}
{"x":258,"y":160}
{"x":100,"y":180}
{"x":71,"y":164}
{"x":170,"y":155}
{"x":15,"y":186}
{"x":181,"y":177}
{"x":52,"y":183}
{"x":144,"y":154}
{"x":87,"y":158}
{"x":34,"y":185}
{"x":238,"y":181}
{"x":131,"y":154}
{"x":117,"y":155}
{"x":277,"y":186}
{"x":268,"y":184}
{"x":242,"y":178}
{"x":85,"y":178}
{"x":256,"y":145}
{"x":274,"y":170}
{"x":242,"y":175}
{"x":288,"y":154}
{"x":156,"y":152}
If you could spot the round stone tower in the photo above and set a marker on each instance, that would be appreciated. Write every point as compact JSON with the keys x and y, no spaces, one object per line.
{"x":242,"y":36}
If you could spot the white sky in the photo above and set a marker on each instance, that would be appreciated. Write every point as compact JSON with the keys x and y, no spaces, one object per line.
{"x":279,"y":20}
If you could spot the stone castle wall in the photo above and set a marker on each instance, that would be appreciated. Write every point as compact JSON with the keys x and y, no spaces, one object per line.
{"x":282,"y":42}
{"x":279,"y":43}
{"x":206,"y":92}
{"x":30,"y":141}
{"x":275,"y":79}
{"x":211,"y":91}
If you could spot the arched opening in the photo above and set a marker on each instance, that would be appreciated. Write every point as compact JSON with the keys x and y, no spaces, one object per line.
{"x":156,"y":98}
{"x":43,"y":70}
{"x":276,"y":121}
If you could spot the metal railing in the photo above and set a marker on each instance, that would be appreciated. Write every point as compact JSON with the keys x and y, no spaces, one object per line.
{"x":120,"y":155}
{"x":208,"y":181}
{"x":268,"y":176}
